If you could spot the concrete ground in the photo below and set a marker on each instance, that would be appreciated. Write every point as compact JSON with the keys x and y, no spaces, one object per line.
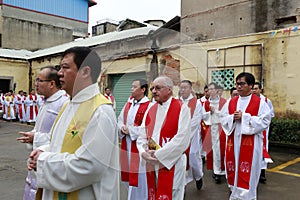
{"x":283,"y":176}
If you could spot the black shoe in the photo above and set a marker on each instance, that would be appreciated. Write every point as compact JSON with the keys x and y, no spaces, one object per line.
{"x":203,"y":160}
{"x":262,"y":177}
{"x":218,"y":179}
{"x":199,"y":184}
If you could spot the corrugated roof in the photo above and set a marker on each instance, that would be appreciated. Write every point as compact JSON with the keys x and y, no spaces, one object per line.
{"x":90,"y":42}
{"x":93,"y":41}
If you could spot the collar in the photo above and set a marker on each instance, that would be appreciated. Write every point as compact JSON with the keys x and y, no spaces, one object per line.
{"x":215,"y":99}
{"x":166,"y":104}
{"x":246,"y":97}
{"x":55,"y":96}
{"x":143,"y":100}
{"x":86,"y":94}
{"x":187,"y":99}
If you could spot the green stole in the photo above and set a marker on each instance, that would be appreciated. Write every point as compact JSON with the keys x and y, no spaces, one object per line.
{"x":74,"y":133}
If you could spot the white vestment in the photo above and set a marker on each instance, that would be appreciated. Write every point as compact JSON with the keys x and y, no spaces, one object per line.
{"x":31,"y":104}
{"x":213,"y":121}
{"x":195,"y":171}
{"x":20,"y":107}
{"x":47,"y":115}
{"x":172,"y":152}
{"x":264,"y":162}
{"x":140,"y":192}
{"x":94,"y":167}
{"x":248,"y":125}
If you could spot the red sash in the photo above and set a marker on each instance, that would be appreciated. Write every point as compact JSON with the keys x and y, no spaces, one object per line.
{"x":207,"y":143}
{"x":192,"y":105}
{"x":33,"y":106}
{"x":246,"y":148}
{"x":130,"y":172}
{"x":110,"y":97}
{"x":163,"y":190}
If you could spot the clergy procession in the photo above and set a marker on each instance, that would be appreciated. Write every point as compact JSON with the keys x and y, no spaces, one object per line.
{"x":20,"y":107}
{"x":155,"y":147}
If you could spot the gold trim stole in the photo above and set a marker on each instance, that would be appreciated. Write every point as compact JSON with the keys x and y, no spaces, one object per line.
{"x":74,"y":133}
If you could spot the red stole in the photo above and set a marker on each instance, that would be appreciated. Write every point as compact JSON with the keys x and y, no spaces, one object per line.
{"x":130,"y":172}
{"x":192,"y":105}
{"x":246,"y":148}
{"x":110,"y":97}
{"x":20,"y":106}
{"x":207,"y":143}
{"x":163,"y":189}
{"x":33,"y":106}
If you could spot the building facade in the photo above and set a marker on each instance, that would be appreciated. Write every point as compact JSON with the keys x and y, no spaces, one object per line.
{"x":38,"y":24}
{"x":202,"y":20}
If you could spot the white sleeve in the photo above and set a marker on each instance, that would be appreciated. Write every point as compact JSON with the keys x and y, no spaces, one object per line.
{"x":256,"y":124}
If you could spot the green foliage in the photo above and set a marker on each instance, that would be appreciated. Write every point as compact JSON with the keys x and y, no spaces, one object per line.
{"x":285,"y":131}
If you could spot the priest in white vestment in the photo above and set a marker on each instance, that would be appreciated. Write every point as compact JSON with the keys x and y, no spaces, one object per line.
{"x":82,"y":160}
{"x":244,"y":118}
{"x":133,"y":174}
{"x":168,"y":156}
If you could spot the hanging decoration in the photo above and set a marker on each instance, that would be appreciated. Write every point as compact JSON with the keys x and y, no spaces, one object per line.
{"x":284,"y":31}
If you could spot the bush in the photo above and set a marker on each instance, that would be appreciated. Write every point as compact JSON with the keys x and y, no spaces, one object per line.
{"x":285,"y":131}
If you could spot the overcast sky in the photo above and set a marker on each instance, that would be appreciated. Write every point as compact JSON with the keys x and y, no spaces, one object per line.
{"x":139,"y":10}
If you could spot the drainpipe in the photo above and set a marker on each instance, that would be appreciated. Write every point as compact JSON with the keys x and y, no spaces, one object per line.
{"x":154,"y":61}
{"x":30,"y":75}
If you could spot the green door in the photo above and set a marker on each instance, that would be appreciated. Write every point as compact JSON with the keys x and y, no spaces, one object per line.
{"x":121,"y":87}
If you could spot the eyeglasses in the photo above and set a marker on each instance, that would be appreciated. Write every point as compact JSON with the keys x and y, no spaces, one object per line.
{"x":41,"y":81}
{"x":158,"y":88}
{"x":240,"y":84}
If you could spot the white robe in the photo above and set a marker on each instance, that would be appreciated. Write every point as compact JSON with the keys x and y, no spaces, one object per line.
{"x":172,"y":152}
{"x":94,"y":167}
{"x":140,"y":192}
{"x":248,"y":125}
{"x":42,"y":128}
{"x":269,"y":102}
{"x":213,"y":120}
{"x":195,"y":171}
{"x":20,"y":102}
{"x":30,"y":103}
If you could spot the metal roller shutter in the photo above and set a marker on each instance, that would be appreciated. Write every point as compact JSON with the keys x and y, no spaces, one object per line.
{"x":121,"y":87}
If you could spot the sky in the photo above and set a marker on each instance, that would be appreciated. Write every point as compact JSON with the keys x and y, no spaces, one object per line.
{"x":139,"y":10}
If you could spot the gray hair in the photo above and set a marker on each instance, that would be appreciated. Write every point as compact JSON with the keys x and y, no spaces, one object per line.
{"x":168,"y":81}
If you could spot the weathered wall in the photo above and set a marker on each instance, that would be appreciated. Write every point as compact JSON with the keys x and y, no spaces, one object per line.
{"x":17,"y":71}
{"x":219,"y":19}
{"x":280,"y":62}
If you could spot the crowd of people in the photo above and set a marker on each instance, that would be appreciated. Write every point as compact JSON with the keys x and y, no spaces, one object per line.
{"x":81,"y":150}
{"x":21,"y":107}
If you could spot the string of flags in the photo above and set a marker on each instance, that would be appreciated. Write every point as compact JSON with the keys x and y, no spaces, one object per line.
{"x":284,"y":31}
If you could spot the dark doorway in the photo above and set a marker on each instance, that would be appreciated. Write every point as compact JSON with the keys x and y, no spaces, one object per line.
{"x":4,"y":85}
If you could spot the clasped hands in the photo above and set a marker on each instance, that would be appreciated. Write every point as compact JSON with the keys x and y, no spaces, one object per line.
{"x":237,"y":115}
{"x":33,"y":157}
{"x":149,"y":156}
